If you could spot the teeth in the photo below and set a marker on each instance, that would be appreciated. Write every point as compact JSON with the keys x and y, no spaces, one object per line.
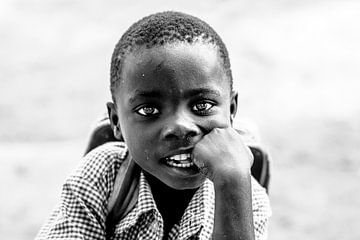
{"x":180,"y":157}
{"x":180,"y":165}
{"x":180,"y":160}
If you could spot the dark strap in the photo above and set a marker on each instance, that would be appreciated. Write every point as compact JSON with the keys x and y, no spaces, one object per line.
{"x":124,"y":195}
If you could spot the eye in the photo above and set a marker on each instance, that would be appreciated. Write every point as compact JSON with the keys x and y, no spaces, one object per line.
{"x":202,"y":107}
{"x":147,"y":111}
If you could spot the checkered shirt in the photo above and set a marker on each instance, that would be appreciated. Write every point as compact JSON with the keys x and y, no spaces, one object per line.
{"x":83,"y":207}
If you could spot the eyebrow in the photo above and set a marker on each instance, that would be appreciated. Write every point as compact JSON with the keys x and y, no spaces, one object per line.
{"x":160,"y":94}
{"x":146,"y":94}
{"x":202,"y":91}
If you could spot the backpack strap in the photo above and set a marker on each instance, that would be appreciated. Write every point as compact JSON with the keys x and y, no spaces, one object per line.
{"x":124,"y":196}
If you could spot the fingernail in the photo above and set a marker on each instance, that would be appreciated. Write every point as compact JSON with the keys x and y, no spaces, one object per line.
{"x":198,"y":163}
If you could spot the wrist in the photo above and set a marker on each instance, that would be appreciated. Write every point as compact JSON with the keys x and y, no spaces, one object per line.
{"x":231,"y":176}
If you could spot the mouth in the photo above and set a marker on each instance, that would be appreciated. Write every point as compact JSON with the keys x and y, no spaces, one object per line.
{"x":182,"y":160}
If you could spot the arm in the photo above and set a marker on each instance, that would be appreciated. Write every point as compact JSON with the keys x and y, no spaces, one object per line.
{"x":233,"y":208}
{"x":224,"y":159}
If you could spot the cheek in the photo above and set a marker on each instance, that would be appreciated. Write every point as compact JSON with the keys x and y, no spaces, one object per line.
{"x":221,"y":120}
{"x":140,"y":144}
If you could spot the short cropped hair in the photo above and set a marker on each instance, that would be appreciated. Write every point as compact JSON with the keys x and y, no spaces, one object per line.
{"x":164,"y":28}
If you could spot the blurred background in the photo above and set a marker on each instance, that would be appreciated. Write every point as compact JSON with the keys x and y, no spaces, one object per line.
{"x":295,"y":65}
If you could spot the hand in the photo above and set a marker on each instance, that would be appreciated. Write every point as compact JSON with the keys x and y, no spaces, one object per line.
{"x":222,"y":153}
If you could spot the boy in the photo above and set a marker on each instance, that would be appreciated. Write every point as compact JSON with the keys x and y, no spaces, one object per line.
{"x":173,"y":104}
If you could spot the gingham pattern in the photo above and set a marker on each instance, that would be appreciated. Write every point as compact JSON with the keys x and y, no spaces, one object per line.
{"x":83,"y":207}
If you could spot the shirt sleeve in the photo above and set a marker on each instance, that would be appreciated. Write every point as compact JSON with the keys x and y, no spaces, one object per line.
{"x":261,"y":210}
{"x":82,"y":210}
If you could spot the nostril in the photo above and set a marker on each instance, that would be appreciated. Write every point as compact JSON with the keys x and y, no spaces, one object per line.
{"x":179,"y":134}
{"x":191,"y":134}
{"x":189,"y":139}
{"x":170,"y":136}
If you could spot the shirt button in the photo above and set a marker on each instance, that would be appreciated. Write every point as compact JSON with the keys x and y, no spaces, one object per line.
{"x":154,"y":225}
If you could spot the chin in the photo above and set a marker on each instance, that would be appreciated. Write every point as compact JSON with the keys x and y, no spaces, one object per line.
{"x":185,"y":184}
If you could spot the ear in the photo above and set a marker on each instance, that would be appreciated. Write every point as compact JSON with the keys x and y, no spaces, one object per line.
{"x":114,"y":120}
{"x":233,"y":105}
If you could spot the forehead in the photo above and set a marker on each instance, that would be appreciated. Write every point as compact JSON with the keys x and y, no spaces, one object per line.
{"x":174,"y":67}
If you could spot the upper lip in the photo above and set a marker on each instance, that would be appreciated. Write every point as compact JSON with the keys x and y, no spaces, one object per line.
{"x":178,"y":151}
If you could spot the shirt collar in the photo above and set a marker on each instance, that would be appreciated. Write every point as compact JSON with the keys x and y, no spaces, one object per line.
{"x":199,"y":215}
{"x":145,"y":205}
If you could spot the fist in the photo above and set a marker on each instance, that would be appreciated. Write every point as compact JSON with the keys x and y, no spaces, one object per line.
{"x":222,"y":153}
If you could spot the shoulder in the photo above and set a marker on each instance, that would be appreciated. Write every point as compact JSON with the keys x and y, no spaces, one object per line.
{"x":110,"y":151}
{"x":103,"y":160}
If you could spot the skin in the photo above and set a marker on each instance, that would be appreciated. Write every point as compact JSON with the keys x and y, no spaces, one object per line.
{"x":177,"y":99}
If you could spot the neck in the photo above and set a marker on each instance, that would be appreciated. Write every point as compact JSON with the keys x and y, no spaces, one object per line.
{"x":170,"y":202}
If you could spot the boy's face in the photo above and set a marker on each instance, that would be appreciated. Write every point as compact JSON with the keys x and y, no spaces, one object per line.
{"x":170,"y":97}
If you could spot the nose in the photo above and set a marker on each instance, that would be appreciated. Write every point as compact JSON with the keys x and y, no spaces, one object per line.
{"x":180,"y":127}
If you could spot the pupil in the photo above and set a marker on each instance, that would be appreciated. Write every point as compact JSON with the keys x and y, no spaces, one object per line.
{"x":148,"y":110}
{"x":201,"y":106}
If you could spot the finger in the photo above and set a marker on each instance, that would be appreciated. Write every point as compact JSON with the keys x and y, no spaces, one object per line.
{"x":201,"y":166}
